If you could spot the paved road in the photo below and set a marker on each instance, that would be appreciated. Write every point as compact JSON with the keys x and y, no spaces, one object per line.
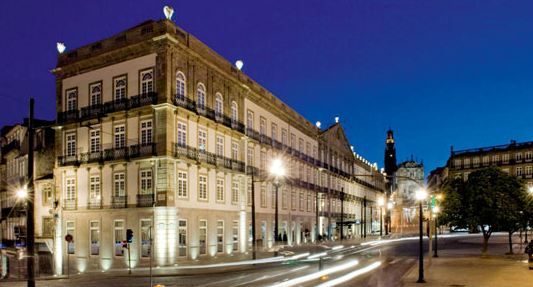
{"x":385,"y":264}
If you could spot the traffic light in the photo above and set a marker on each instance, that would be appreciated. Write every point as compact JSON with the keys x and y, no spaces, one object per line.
{"x":129,"y":236}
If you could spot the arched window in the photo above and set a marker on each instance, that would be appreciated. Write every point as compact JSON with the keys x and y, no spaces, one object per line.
{"x":147,"y":82}
{"x":180,"y":86}
{"x":234,"y":113}
{"x":219,"y":105}
{"x":200,"y":94}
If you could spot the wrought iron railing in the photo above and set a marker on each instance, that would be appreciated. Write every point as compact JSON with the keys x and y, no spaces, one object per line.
{"x":119,"y":201}
{"x":145,"y":200}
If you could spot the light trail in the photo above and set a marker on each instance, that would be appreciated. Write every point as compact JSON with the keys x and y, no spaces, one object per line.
{"x":316,"y":275}
{"x":350,"y":275}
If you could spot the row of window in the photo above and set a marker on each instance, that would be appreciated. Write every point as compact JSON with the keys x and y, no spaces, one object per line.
{"x":497,"y":158}
{"x":120,"y":88}
{"x":119,"y":138}
{"x":119,"y":237}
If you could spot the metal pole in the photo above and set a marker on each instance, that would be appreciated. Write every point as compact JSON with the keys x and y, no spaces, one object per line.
{"x":151,"y":249}
{"x":381,"y":221}
{"x":276,"y":215}
{"x":436,"y":232}
{"x":254,"y":243}
{"x":129,"y":259}
{"x":421,"y":249}
{"x":30,"y":224}
{"x":364,"y":217}
{"x":317,"y":232}
{"x":342,"y":213}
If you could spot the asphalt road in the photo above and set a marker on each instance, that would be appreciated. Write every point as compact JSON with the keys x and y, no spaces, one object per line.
{"x":381,"y":263}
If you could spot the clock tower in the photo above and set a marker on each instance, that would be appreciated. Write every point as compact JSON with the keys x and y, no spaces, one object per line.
{"x":390,"y":154}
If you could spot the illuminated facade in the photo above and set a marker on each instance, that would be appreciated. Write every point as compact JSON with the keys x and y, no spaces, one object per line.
{"x":157,"y":132}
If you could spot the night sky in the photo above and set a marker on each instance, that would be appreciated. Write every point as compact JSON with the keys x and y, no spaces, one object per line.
{"x":440,"y":73}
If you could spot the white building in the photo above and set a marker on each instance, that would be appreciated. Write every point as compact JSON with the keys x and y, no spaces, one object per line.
{"x":156,"y":131}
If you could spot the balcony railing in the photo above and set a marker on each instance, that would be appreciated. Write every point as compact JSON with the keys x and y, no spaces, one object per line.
{"x":99,"y":110}
{"x":119,"y":201}
{"x":70,"y":204}
{"x":125,"y":153}
{"x":184,"y":151}
{"x":184,"y":102}
{"x":95,"y":203}
{"x":145,"y":200}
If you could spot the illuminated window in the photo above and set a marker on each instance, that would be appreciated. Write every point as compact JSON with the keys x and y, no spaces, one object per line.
{"x":234,"y":151}
{"x":146,"y":224}
{"x":146,"y":132}
{"x":262,"y":126}
{"x":94,"y":191}
{"x":235,"y":191}
{"x":72,"y":100}
{"x":71,"y":229}
{"x":202,"y":236}
{"x":220,"y":189}
{"x":147,"y":81}
{"x":182,"y":134}
{"x":182,"y":184}
{"x":120,"y":136}
{"x":180,"y":86}
{"x":202,"y":140}
{"x":119,"y":237}
{"x":119,"y":183}
{"x":263,"y":196}
{"x":200,"y":95}
{"x":235,"y":235}
{"x":182,"y":237}
{"x":95,"y":140}
{"x":274,"y":131}
{"x":250,"y":119}
{"x":519,"y":171}
{"x":219,"y":105}
{"x":219,"y":151}
{"x":146,"y":181}
{"x":94,"y":234}
{"x":95,"y":91}
{"x":234,"y":113}
{"x":71,"y":144}
{"x":202,"y":187}
{"x":119,"y":89}
{"x":220,"y":236}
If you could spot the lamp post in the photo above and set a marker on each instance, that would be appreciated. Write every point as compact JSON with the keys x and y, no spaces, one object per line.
{"x":436,"y":210}
{"x":420,"y":196}
{"x":277,"y":170}
{"x":381,"y":203}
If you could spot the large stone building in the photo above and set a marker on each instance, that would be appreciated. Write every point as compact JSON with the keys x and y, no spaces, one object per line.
{"x":14,"y":178}
{"x":409,"y":178}
{"x":513,"y":158}
{"x":157,"y":132}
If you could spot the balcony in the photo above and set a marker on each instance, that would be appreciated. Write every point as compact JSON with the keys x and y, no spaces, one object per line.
{"x":119,"y":201}
{"x":95,"y":203}
{"x":253,"y":134}
{"x":90,"y":157}
{"x":185,"y":151}
{"x":70,"y":204}
{"x":100,"y":110}
{"x":68,"y":160}
{"x":91,"y":112}
{"x":145,"y":200}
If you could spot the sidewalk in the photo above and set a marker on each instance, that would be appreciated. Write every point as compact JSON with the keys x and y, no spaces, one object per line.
{"x":468,"y":268}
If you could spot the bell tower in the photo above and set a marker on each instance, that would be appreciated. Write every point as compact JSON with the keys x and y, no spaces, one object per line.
{"x":390,"y":154}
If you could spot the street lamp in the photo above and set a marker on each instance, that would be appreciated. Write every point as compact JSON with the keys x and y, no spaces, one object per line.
{"x":277,"y":170}
{"x":420,"y":196}
{"x":381,"y":203}
{"x":436,"y":210}
{"x":22,"y":193}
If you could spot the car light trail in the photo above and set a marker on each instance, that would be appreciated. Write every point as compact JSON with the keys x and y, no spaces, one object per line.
{"x":350,"y":275}
{"x":316,"y":275}
{"x":317,"y":255}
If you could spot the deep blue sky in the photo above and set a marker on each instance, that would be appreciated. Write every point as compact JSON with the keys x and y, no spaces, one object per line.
{"x":440,"y":73}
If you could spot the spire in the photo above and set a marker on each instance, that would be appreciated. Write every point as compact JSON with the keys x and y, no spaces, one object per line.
{"x":390,"y":154}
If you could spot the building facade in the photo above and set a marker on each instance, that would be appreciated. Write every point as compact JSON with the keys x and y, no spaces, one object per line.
{"x":14,"y":178}
{"x":159,"y":134}
{"x":409,"y":178}
{"x":513,"y":158}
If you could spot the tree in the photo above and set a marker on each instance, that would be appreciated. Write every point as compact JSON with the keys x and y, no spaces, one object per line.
{"x":490,"y":199}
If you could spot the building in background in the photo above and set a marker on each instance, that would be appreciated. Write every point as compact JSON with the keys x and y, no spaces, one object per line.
{"x":157,"y":132}
{"x":13,"y":179}
{"x":436,"y":179}
{"x":513,"y":158}
{"x":409,"y":177}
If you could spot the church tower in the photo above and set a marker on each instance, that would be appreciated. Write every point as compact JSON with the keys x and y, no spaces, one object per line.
{"x":390,"y":154}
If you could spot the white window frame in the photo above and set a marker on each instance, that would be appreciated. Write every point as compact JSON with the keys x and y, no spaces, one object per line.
{"x":201,"y":101}
{"x":95,"y":93}
{"x":202,"y":139}
{"x":182,"y":186}
{"x":182,"y":134}
{"x":120,"y":85}
{"x":180,"y":86}
{"x":219,"y":150}
{"x":95,"y":140}
{"x":203,"y":193}
{"x":117,"y":244}
{"x":119,"y":136}
{"x":146,"y":132}
{"x":220,"y":190}
{"x":220,"y":236}
{"x":119,"y":184}
{"x":146,"y":184}
{"x":219,"y":105}
{"x":70,"y":143}
{"x":71,"y":102}
{"x":146,"y":81}
{"x":97,"y":229}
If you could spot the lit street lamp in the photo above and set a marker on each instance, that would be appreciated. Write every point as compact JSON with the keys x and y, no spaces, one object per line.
{"x":436,"y":210}
{"x":381,"y":203}
{"x":277,"y":170}
{"x":22,"y":193}
{"x":420,"y":196}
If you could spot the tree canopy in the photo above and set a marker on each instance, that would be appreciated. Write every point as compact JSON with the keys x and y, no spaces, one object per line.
{"x":489,"y":200}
